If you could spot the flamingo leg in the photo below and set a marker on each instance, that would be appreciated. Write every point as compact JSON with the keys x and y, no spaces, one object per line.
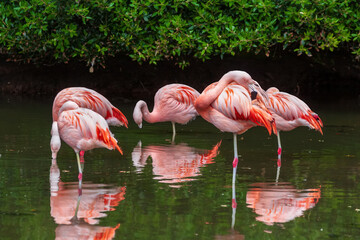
{"x":279,"y":149}
{"x":236,"y":160}
{"x":79,"y":166}
{"x":233,"y":205}
{"x":174,"y":131}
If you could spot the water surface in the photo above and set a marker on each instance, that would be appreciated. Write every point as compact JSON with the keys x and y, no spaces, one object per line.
{"x":181,"y":190}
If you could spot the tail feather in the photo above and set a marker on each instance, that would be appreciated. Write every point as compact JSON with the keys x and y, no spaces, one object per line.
{"x":263,"y":118}
{"x":120,"y":116}
{"x":104,"y":136}
{"x":116,"y":117}
{"x":314,"y":121}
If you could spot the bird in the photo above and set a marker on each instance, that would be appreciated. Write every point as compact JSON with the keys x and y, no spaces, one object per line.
{"x":83,"y":129}
{"x":290,"y":112}
{"x":84,"y":98}
{"x":228,"y":105}
{"x":172,"y":103}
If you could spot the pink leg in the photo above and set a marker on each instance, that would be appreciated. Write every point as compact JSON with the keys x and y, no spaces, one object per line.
{"x":235,"y":162}
{"x":80,"y":176}
{"x":279,"y":157}
{"x":82,"y":153}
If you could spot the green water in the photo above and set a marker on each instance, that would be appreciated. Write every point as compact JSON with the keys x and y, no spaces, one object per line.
{"x":159,"y":190}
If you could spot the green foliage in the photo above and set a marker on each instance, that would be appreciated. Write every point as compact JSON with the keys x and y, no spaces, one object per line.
{"x":151,"y":31}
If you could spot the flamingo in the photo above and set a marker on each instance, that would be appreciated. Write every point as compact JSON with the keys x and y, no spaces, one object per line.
{"x":83,"y":129}
{"x":290,"y":112}
{"x":84,"y":98}
{"x":172,"y":103}
{"x":228,"y":106}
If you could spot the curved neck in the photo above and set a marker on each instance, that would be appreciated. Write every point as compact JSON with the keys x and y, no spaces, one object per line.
{"x":148,"y":116}
{"x":206,"y":98}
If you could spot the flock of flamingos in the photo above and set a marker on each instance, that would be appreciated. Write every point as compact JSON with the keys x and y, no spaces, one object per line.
{"x":235,"y":103}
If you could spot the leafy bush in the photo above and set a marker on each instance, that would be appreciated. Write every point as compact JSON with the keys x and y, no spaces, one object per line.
{"x":154,"y":30}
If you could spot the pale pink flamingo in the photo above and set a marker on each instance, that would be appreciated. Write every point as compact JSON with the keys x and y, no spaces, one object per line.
{"x":84,"y":98}
{"x":83,"y":129}
{"x":175,"y":163}
{"x":172,"y":103}
{"x":280,"y":202}
{"x":228,"y":106}
{"x":290,"y":112}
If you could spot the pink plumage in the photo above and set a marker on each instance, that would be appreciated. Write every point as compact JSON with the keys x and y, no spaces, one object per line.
{"x":83,"y":98}
{"x":172,"y":103}
{"x":228,"y":106}
{"x":290,"y":112}
{"x":90,"y":99}
{"x":83,"y":129}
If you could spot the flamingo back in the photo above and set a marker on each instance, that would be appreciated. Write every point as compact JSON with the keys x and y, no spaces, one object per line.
{"x":290,"y":108}
{"x":175,"y":102}
{"x":90,"y":99}
{"x":84,"y":129}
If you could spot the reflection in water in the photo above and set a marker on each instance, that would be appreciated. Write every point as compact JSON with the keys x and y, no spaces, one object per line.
{"x":77,"y":207}
{"x":174,"y":163}
{"x":280,"y":202}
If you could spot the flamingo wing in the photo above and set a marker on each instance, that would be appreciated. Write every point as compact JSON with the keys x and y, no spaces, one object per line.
{"x":235,"y":103}
{"x":176,"y":103}
{"x":90,"y":99}
{"x":290,"y":108}
{"x":84,"y":129}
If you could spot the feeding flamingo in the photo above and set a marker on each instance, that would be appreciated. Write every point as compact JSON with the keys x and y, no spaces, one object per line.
{"x":83,"y":129}
{"x":84,"y":98}
{"x":228,"y":106}
{"x":290,"y":112}
{"x":172,"y":103}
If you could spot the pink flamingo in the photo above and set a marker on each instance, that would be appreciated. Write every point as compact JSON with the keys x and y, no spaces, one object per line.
{"x":228,"y":106}
{"x":172,"y":103}
{"x":83,"y":129}
{"x":84,"y":98}
{"x":290,"y":112}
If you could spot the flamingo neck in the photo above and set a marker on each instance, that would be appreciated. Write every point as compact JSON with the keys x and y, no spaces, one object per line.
{"x":148,"y":116}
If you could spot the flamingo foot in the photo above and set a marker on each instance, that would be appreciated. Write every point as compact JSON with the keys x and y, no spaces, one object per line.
{"x":82,"y":153}
{"x":233,"y":203}
{"x":80,"y":176}
{"x":235,"y":162}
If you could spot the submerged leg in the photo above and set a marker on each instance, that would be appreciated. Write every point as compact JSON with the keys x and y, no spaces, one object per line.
{"x":236,"y":160}
{"x":174,"y":131}
{"x":279,"y":149}
{"x":233,"y":205}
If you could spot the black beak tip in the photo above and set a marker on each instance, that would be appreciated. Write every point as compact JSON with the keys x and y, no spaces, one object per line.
{"x":253,"y":95}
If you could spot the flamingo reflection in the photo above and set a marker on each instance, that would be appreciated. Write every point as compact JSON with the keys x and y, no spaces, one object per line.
{"x":77,"y":207}
{"x":280,"y":202}
{"x":174,"y":163}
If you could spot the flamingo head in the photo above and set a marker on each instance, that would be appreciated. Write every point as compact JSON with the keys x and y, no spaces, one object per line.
{"x":137,"y":114}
